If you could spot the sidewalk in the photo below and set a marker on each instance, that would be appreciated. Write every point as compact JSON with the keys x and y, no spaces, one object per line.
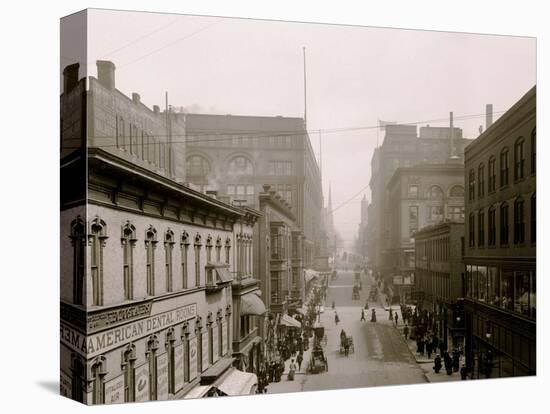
{"x":307,"y":356}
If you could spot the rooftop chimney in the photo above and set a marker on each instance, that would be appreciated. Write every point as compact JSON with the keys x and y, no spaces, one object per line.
{"x":136,"y":98}
{"x":488,"y":115}
{"x":106,"y":73}
{"x":70,"y":77}
{"x":156,"y":109}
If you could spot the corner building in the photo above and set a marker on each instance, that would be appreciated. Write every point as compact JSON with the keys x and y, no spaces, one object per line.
{"x":500,"y":252}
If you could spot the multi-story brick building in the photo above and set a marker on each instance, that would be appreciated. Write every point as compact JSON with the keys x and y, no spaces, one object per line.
{"x":237,"y":155}
{"x":403,"y":148}
{"x":439,"y":275}
{"x":500,"y":252}
{"x":418,"y":196}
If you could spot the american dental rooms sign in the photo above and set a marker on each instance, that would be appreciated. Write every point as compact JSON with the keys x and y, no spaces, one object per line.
{"x":101,"y":342}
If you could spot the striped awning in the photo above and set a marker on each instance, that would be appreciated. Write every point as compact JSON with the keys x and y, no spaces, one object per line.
{"x":290,"y":321}
{"x":251,"y":304}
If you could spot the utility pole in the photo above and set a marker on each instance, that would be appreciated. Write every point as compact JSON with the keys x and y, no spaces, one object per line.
{"x":169,"y":136}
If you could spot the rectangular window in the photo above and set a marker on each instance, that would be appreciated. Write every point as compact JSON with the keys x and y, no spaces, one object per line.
{"x":481,"y":181}
{"x":519,"y":160}
{"x":504,"y":168}
{"x":436,"y":213}
{"x":231,"y":189}
{"x":413,"y":220}
{"x":507,"y":300}
{"x":413,"y":191}
{"x":184,"y":251}
{"x":492,"y":175}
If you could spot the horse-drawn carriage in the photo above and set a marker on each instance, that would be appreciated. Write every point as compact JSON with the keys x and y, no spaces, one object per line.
{"x":318,"y":361}
{"x":346,"y":344}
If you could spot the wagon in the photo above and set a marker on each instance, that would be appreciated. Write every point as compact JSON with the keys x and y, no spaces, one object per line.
{"x":318,"y":362}
{"x":346,"y":340}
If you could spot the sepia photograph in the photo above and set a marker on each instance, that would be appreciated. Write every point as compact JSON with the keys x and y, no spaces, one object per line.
{"x":252,"y":206}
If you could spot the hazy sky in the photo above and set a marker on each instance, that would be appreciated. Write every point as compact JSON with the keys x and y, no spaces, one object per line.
{"x":355,"y":76}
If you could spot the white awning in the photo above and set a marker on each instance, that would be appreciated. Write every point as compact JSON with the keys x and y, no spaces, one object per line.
{"x":251,"y":304}
{"x":198,"y":392}
{"x":290,"y":321}
{"x":310,"y":274}
{"x":238,"y":383}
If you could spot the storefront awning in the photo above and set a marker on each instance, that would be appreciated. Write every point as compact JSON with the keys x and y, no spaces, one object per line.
{"x":290,"y":321}
{"x":251,"y":304}
{"x":310,"y":274}
{"x":223,"y":274}
{"x":238,"y":383}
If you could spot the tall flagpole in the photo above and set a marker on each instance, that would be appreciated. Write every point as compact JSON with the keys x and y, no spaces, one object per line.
{"x":305,"y":87}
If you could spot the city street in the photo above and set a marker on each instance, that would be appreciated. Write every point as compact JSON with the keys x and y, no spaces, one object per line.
{"x":381,"y":355}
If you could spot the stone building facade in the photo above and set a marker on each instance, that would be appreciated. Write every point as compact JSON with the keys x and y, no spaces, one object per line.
{"x":402,"y":147}
{"x":500,"y":252}
{"x":418,"y":196}
{"x":439,"y":275}
{"x":237,"y":155}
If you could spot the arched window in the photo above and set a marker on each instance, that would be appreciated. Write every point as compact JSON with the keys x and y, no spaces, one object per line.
{"x":150,"y":244}
{"x":128,"y":366}
{"x":492,"y":174}
{"x":97,"y":376}
{"x":78,"y":371}
{"x":197,"y":166}
{"x":534,"y":151}
{"x":504,"y":224}
{"x":481,"y":228}
{"x":471,"y":185}
{"x":98,"y":237}
{"x":492,"y":236}
{"x":519,"y":221}
{"x":218,"y":249}
{"x":481,"y":180}
{"x":227,"y":249}
{"x":519,"y":158}
{"x":128,"y":239}
{"x":456,"y":191}
{"x":184,"y":246}
{"x":171,"y":356}
{"x":151,"y":355}
{"x":197,"y":246}
{"x":78,"y":240}
{"x":435,"y":193}
{"x":504,"y":167}
{"x":240,"y":165}
{"x":168,"y":250}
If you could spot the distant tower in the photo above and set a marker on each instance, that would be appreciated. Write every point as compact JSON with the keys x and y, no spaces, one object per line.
{"x":364,"y":209}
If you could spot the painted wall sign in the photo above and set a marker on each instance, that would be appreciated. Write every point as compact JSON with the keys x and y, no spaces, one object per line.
{"x":178,"y":367}
{"x":142,"y":382}
{"x":193,"y":358}
{"x":101,"y":342}
{"x":162,"y":377}
{"x":113,"y":317}
{"x":114,"y":390}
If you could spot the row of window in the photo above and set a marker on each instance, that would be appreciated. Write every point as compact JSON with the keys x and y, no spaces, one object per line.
{"x":434,"y":250}
{"x":179,"y":365}
{"x":435,"y":283}
{"x":487,"y":220}
{"x":478,"y":183}
{"x":435,"y":192}
{"x":199,"y":166}
{"x":140,"y":144}
{"x":283,"y":141}
{"x":514,"y":291}
{"x":97,"y":241}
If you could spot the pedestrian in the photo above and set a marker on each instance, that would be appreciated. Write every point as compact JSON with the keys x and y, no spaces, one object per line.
{"x":406,"y":331}
{"x":299,"y":360}
{"x":391,"y":315}
{"x":429,"y":348}
{"x":448,"y":363}
{"x":396,"y":318}
{"x":291,"y":370}
{"x":367,"y":305}
{"x":437,"y":364}
{"x":463,"y":372}
{"x":456,"y":360}
{"x":363,"y":315}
